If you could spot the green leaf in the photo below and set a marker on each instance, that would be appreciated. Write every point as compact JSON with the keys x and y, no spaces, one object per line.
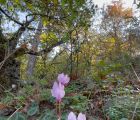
{"x":63,"y":2}
{"x":55,"y":2}
{"x":101,"y":63}
{"x":65,"y":37}
{"x":45,"y":22}
{"x":43,"y":37}
{"x":17,"y":1}
{"x":30,"y":6}
{"x":51,"y":35}
{"x":2,"y":1}
{"x":123,"y":119}
{"x":18,"y":116}
{"x":3,"y":118}
{"x":33,"y":109}
{"x":48,"y":115}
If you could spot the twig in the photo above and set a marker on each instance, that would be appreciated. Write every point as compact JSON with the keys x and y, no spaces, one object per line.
{"x":2,"y":63}
{"x":10,"y":17}
{"x":13,"y":113}
{"x":138,"y":99}
{"x":135,"y":110}
{"x":135,"y":73}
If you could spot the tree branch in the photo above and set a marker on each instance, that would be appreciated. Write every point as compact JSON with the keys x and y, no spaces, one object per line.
{"x":47,"y":50}
{"x":46,"y":15}
{"x":14,"y":39}
{"x":1,"y":34}
{"x":10,"y":17}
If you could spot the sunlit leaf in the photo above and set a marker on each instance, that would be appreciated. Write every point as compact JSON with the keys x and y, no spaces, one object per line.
{"x":45,"y":22}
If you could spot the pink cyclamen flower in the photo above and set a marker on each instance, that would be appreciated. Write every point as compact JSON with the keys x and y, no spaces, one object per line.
{"x":71,"y":116}
{"x":58,"y":91}
{"x":81,"y":116}
{"x":63,"y":79}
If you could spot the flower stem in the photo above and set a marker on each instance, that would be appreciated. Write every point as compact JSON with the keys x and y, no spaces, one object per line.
{"x":59,"y":110}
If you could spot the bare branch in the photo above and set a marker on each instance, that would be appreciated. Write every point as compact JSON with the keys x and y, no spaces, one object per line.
{"x":14,"y":39}
{"x":10,"y":17}
{"x":47,"y":50}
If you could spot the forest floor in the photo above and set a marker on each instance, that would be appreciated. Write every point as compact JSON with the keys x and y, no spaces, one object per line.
{"x":106,"y":102}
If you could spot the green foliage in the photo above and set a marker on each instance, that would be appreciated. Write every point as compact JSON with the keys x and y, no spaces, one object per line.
{"x":7,"y":99}
{"x":3,"y":118}
{"x":18,"y":116}
{"x":75,"y":101}
{"x":2,"y":1}
{"x":34,"y":108}
{"x":123,"y":119}
{"x":48,"y":115}
{"x":28,"y":89}
{"x":65,"y":37}
{"x":46,"y":95}
{"x":123,"y":107}
{"x":51,"y":115}
{"x":99,"y":60}
{"x":50,"y":38}
{"x":78,"y":103}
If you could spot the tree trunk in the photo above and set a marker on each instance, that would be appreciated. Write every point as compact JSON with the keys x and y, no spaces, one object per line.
{"x":9,"y":73}
{"x":9,"y":69}
{"x":9,"y":66}
{"x":32,"y":58}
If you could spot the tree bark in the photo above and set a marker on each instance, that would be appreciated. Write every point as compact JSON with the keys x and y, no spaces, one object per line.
{"x":9,"y":66}
{"x":32,"y":58}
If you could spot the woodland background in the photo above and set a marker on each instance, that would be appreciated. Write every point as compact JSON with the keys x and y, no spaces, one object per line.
{"x":40,"y":39}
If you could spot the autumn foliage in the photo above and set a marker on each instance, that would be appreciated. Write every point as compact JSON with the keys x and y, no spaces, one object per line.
{"x":116,"y":9}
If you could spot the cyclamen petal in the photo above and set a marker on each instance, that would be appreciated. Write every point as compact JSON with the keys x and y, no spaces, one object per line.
{"x":71,"y":116}
{"x":58,"y":91}
{"x":63,"y":79}
{"x":54,"y":89}
{"x":81,"y":116}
